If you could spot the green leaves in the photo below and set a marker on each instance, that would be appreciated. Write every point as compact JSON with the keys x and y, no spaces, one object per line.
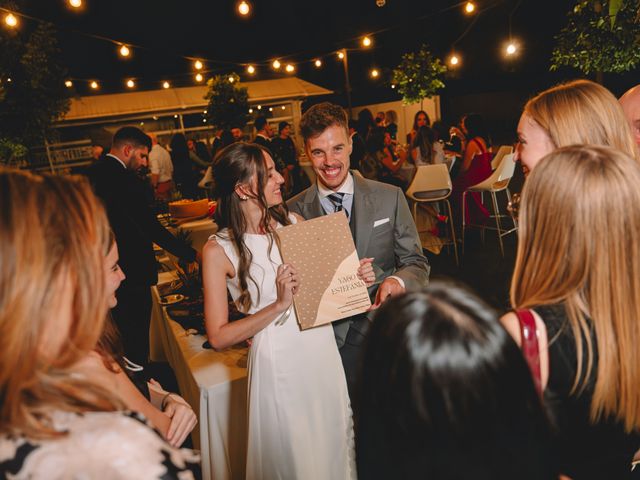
{"x":418,"y":75}
{"x":600,"y":36}
{"x":228,"y":102}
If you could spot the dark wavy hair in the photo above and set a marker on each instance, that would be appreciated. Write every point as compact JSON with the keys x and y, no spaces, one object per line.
{"x":445,"y":393}
{"x":240,"y":163}
{"x":415,"y":119}
{"x":476,"y":127}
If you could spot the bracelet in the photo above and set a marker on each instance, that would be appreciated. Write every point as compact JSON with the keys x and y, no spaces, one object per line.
{"x":163,"y":404}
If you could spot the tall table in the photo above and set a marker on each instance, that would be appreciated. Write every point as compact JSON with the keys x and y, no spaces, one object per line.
{"x":213,"y":383}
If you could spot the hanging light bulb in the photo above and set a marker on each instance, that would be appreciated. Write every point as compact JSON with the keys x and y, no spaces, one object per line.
{"x":318,"y":63}
{"x":75,"y":3}
{"x":197,"y":65}
{"x":469,"y":7}
{"x":289,"y":68}
{"x":68,"y":83}
{"x":381,"y":3}
{"x":283,"y":107}
{"x":231,"y":79}
{"x":511,"y":49}
{"x":11,"y":20}
{"x":124,"y":51}
{"x":199,"y":77}
{"x":251,"y":69}
{"x":271,"y":109}
{"x":366,"y":42}
{"x":166,"y":84}
{"x":251,"y":110}
{"x":244,"y":8}
{"x":374,"y":73}
{"x":276,"y":64}
{"x":94,"y":85}
{"x":259,"y":107}
{"x":393,"y":85}
{"x":131,"y":83}
{"x":341,"y":55}
{"x":454,"y":60}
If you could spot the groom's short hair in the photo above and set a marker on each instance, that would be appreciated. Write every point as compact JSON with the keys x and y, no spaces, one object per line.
{"x":320,"y":117}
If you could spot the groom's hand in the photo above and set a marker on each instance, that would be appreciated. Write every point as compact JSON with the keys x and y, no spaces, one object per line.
{"x":390,"y":287}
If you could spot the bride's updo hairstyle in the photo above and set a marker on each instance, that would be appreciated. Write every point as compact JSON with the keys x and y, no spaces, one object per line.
{"x":244,"y":164}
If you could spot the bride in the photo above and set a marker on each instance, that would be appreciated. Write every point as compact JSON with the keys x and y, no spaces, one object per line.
{"x":299,"y":413}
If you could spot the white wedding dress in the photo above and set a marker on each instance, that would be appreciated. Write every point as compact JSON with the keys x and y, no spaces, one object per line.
{"x":300,"y":424}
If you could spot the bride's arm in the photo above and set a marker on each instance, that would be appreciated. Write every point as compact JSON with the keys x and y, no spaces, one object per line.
{"x":221,"y":333}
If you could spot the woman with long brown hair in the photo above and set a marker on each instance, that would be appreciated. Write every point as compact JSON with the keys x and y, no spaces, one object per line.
{"x":577,"y":273}
{"x":56,"y":422}
{"x":299,"y":413}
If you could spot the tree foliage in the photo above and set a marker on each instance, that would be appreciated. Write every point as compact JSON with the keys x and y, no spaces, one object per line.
{"x":600,"y":36}
{"x":418,"y":75}
{"x":228,"y":102}
{"x":32,"y":91}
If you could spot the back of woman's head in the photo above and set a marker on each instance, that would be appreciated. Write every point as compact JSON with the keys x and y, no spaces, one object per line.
{"x":446,"y":393}
{"x":424,"y":139}
{"x":582,"y":112}
{"x":476,"y":126}
{"x":375,"y":140}
{"x":52,"y":235}
{"x":577,"y":245}
{"x":179,"y":148}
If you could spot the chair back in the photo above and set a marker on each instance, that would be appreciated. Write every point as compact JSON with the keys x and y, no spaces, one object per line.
{"x":500,"y":154}
{"x":500,"y":178}
{"x":430,"y":183}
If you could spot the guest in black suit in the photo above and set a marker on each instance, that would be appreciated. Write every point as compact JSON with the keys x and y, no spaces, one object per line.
{"x":136,"y":228}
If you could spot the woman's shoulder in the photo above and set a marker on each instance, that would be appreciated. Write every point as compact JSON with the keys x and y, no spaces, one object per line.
{"x":99,"y":445}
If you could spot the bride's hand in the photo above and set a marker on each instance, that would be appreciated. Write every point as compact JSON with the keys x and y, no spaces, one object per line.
{"x":287,"y":284}
{"x":365,"y":271}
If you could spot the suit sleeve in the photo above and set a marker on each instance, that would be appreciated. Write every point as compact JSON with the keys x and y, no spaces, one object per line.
{"x":412,"y":266}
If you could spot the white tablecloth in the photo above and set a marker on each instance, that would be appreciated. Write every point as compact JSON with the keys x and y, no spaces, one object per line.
{"x":214,"y":384}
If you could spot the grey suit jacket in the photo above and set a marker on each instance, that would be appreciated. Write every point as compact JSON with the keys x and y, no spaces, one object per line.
{"x":394,"y":243}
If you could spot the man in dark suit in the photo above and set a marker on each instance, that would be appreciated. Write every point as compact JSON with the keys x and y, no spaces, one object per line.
{"x":379,"y":217}
{"x":135,"y":227}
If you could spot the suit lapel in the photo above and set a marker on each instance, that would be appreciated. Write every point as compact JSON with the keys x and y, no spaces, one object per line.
{"x":311,"y":207}
{"x":364,"y":208}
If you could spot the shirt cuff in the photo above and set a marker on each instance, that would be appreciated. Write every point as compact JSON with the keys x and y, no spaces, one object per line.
{"x":400,"y":281}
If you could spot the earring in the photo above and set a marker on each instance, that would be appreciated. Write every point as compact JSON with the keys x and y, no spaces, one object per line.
{"x":244,"y":198}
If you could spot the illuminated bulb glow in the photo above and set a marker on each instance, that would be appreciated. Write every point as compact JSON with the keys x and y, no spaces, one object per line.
{"x":259,"y":107}
{"x":289,"y":68}
{"x":131,"y":83}
{"x":318,"y":63}
{"x":469,"y":7}
{"x":454,"y":60}
{"x":68,"y":84}
{"x":283,"y":107}
{"x":251,"y":110}
{"x":166,"y":84}
{"x":124,"y":51}
{"x":366,"y":42}
{"x":251,"y":69}
{"x":393,"y":85}
{"x":75,"y":3}
{"x":198,"y":65}
{"x":94,"y":85}
{"x":11,"y":20}
{"x":375,"y":73}
{"x":340,"y":55}
{"x":271,"y":109}
{"x":276,"y":64}
{"x":199,"y":77}
{"x":511,"y":49}
{"x":243,"y":8}
{"x":231,"y":79}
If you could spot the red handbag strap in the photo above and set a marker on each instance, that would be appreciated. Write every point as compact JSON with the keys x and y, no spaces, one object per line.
{"x":530,"y":347}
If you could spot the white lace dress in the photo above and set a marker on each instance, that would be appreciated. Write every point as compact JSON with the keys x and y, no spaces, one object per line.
{"x":300,"y":424}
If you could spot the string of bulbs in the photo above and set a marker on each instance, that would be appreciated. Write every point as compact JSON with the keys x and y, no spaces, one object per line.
{"x":243,"y":7}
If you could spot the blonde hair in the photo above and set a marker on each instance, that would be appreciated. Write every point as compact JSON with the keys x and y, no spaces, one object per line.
{"x":582,"y":112}
{"x":576,"y":246}
{"x":52,"y":234}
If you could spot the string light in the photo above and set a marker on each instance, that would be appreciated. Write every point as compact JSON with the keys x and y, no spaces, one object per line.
{"x":318,"y":63}
{"x":271,"y":109}
{"x":175,"y":116}
{"x":251,"y":69}
{"x":197,"y":65}
{"x":251,"y":110}
{"x":283,"y":107}
{"x":75,"y":3}
{"x":124,"y":51}
{"x":259,"y":107}
{"x":11,"y":20}
{"x":289,"y":68}
{"x":166,"y":84}
{"x":199,"y":77}
{"x":511,"y":49}
{"x":454,"y":60}
{"x":94,"y":85}
{"x":393,"y":85}
{"x":341,"y":55}
{"x":374,"y":73}
{"x":276,"y":64}
{"x":244,"y":8}
{"x":131,"y":83}
{"x":366,"y":42}
{"x":231,"y":79}
{"x":469,"y":7}
{"x":68,"y":83}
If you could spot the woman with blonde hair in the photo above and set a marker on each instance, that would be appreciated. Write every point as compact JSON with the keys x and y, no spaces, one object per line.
{"x":576,"y":292}
{"x":573,"y":113}
{"x":54,"y":421}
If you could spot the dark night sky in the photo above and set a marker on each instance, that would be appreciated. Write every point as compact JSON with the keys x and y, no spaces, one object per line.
{"x":303,"y":29}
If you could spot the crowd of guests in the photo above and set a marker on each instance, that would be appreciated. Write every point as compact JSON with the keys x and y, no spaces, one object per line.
{"x":438,"y":384}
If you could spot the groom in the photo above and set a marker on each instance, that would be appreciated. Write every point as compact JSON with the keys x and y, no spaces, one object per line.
{"x":379,"y":218}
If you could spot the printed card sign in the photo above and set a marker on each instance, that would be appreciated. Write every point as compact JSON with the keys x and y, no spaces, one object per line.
{"x":326,"y":259}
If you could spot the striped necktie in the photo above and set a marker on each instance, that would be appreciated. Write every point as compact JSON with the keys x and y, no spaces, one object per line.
{"x":336,"y":200}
